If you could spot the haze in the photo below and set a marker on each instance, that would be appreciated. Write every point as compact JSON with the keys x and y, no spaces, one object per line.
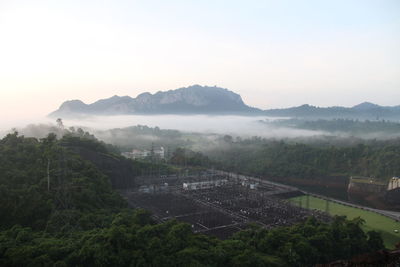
{"x":273,"y":53}
{"x":234,"y":125}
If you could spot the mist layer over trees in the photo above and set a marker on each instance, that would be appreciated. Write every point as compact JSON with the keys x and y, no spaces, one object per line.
{"x":298,"y":157}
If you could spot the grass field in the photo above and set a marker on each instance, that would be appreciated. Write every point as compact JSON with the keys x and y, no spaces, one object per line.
{"x":373,"y":221}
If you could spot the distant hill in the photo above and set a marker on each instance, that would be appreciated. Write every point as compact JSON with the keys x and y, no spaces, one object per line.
{"x":198,"y":99}
{"x":364,"y":110}
{"x":194,"y":99}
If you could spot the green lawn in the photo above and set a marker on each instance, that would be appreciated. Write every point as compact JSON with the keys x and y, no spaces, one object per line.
{"x":373,"y":221}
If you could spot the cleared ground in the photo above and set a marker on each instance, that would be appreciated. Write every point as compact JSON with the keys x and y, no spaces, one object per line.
{"x":373,"y":221}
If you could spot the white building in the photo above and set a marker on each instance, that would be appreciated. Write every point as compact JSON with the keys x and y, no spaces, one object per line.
{"x":394,"y":183}
{"x":204,"y":184}
{"x":141,"y":154}
{"x":159,"y":152}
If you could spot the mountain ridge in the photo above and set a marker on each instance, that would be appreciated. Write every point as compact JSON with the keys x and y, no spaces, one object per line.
{"x":198,"y":99}
{"x":194,"y":99}
{"x":364,"y":110}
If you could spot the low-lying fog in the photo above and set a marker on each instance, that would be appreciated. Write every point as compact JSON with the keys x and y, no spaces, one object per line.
{"x":233,"y":125}
{"x":243,"y":126}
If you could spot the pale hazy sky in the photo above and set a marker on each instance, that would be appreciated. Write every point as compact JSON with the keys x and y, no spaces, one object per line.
{"x":273,"y":53}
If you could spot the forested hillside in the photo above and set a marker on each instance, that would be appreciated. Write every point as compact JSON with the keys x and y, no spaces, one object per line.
{"x":132,"y":239}
{"x":46,"y":187}
{"x":268,"y":158}
{"x":57,"y":209}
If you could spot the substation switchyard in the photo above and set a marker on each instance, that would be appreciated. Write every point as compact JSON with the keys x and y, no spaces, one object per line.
{"x":218,"y":203}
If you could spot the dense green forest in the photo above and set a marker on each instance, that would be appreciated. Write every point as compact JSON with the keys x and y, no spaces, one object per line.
{"x":187,"y":157}
{"x":132,"y":239}
{"x":274,"y":159}
{"x":47,"y":187}
{"x":57,"y":209}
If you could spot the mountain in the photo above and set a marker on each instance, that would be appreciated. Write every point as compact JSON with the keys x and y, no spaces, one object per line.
{"x":365,"y":110}
{"x":194,"y":99}
{"x":366,"y":106}
{"x":198,"y":99}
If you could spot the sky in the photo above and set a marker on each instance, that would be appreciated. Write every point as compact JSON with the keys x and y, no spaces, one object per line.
{"x":273,"y":53}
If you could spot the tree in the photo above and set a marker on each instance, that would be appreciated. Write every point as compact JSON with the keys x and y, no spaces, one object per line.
{"x":375,"y":241}
{"x":60,"y":124}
